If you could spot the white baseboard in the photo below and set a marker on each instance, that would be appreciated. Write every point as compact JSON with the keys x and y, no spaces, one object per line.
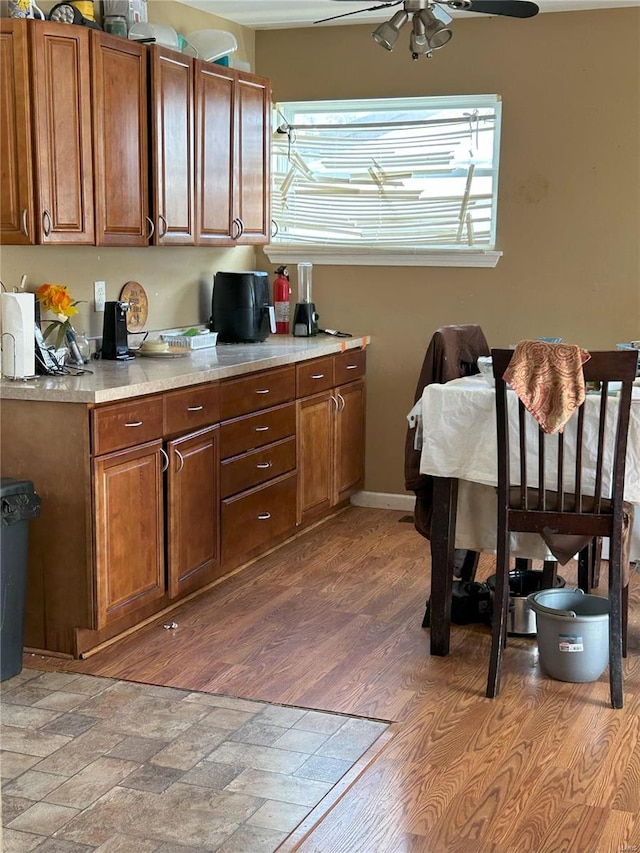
{"x":384,"y":500}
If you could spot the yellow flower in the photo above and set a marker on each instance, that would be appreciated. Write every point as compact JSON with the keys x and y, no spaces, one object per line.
{"x":57,"y":299}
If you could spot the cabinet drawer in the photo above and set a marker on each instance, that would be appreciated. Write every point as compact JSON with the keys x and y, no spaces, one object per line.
{"x":259,"y":391}
{"x":257,"y":466}
{"x":349,"y":365}
{"x":127,"y":424}
{"x":252,"y":520}
{"x":191,"y":408}
{"x":314,"y":376}
{"x":252,"y":431}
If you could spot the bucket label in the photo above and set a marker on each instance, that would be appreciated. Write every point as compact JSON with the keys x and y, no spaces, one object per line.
{"x":570,"y":643}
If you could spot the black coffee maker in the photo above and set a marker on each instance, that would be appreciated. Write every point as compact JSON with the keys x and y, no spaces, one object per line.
{"x":115,"y":345}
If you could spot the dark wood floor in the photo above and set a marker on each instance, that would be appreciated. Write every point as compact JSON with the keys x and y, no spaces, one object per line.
{"x":333,"y":621}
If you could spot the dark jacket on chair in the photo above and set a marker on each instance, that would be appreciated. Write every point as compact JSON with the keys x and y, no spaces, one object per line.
{"x":452,"y":353}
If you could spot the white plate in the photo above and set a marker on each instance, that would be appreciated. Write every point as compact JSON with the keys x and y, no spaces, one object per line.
{"x":175,"y":352}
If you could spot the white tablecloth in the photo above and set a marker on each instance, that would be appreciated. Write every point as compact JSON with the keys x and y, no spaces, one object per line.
{"x":459,"y":440}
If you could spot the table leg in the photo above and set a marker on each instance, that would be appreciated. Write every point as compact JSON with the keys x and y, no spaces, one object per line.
{"x":443,"y":530}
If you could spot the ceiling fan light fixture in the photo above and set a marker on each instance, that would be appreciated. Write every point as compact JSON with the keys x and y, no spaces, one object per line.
{"x":437,"y":32}
{"x":418,"y":42}
{"x":386,"y":35}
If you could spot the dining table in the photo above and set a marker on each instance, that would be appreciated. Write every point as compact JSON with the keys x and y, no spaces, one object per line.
{"x":459,"y":450}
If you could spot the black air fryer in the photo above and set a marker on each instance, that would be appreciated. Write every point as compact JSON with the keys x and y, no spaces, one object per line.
{"x":240,"y":307}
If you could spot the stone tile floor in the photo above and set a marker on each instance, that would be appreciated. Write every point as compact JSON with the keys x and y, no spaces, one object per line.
{"x":97,"y":764}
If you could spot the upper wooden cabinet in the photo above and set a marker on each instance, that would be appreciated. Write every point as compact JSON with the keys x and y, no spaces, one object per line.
{"x":48,"y":192}
{"x":173,"y":186}
{"x":97,"y":149}
{"x":233,"y":122}
{"x":119,"y":80}
{"x":16,"y":198}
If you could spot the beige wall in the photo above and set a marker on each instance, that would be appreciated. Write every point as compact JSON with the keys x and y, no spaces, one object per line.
{"x":569,"y":199}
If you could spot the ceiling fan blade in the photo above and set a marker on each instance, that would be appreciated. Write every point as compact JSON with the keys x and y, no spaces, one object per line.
{"x":358,"y":11}
{"x":511,"y":8}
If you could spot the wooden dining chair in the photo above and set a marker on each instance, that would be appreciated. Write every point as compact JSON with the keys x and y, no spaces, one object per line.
{"x":578,"y":504}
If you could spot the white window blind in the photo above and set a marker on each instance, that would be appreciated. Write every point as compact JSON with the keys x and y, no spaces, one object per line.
{"x":400,"y":175}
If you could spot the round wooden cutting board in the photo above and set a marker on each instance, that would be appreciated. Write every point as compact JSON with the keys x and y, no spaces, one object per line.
{"x":135,"y":294}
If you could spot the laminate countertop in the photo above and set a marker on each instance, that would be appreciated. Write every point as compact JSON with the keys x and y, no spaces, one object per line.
{"x":109,"y":381}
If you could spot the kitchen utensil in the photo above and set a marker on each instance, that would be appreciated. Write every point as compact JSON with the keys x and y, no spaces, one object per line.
{"x":305,"y":318}
{"x":115,"y":345}
{"x":240,"y":308}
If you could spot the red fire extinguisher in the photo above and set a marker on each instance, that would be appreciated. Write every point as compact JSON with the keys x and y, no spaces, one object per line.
{"x":281,"y":294}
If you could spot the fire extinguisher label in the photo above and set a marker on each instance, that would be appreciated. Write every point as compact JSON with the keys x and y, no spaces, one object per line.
{"x":282,"y":312}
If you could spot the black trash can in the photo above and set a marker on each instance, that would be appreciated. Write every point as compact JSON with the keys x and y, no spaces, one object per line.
{"x":19,"y":503}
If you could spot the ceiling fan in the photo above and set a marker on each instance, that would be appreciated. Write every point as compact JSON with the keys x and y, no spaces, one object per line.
{"x":430,"y":20}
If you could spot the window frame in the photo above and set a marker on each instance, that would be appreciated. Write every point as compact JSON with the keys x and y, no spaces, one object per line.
{"x":473,"y":256}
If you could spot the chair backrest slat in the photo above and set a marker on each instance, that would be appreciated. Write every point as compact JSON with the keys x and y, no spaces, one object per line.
{"x":522,"y":436}
{"x":542,"y":499}
{"x":578,"y":468}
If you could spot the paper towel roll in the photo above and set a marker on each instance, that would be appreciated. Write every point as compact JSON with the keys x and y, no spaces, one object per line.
{"x":18,"y":342}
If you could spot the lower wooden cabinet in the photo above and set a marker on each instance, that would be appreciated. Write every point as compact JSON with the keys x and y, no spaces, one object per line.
{"x":331,"y":436}
{"x":193,"y":542}
{"x":129,"y":530}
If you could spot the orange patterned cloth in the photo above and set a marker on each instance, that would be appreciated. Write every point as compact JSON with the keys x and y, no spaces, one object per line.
{"x":549,"y":380}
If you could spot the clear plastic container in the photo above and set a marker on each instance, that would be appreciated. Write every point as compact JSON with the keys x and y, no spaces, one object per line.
{"x":305,"y":293}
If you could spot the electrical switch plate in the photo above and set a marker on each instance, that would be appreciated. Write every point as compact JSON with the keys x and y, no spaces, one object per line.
{"x":99,"y":295}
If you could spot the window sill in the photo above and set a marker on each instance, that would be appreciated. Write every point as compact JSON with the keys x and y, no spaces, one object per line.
{"x":282,"y":254}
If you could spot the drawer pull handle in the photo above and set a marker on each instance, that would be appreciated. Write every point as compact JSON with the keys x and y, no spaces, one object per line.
{"x":318,"y":376}
{"x":264,"y":465}
{"x":134,"y":424}
{"x":263,"y":391}
{"x":262,"y":429}
{"x":351,"y":366}
{"x":195,"y":408}
{"x":263,"y":516}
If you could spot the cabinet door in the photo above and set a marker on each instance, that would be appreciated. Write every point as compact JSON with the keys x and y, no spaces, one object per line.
{"x":173,"y":151}
{"x":120,"y":140}
{"x":252,"y":158}
{"x":349,"y":440}
{"x":128,"y":530}
{"x":16,"y":159}
{"x":215,"y":132}
{"x":62,"y":133}
{"x":316,"y":416}
{"x":193,"y":511}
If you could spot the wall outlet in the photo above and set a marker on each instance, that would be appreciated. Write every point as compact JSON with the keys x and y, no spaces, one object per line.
{"x":99,"y":295}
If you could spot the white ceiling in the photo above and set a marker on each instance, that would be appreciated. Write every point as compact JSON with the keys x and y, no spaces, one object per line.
{"x":283,"y":14}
